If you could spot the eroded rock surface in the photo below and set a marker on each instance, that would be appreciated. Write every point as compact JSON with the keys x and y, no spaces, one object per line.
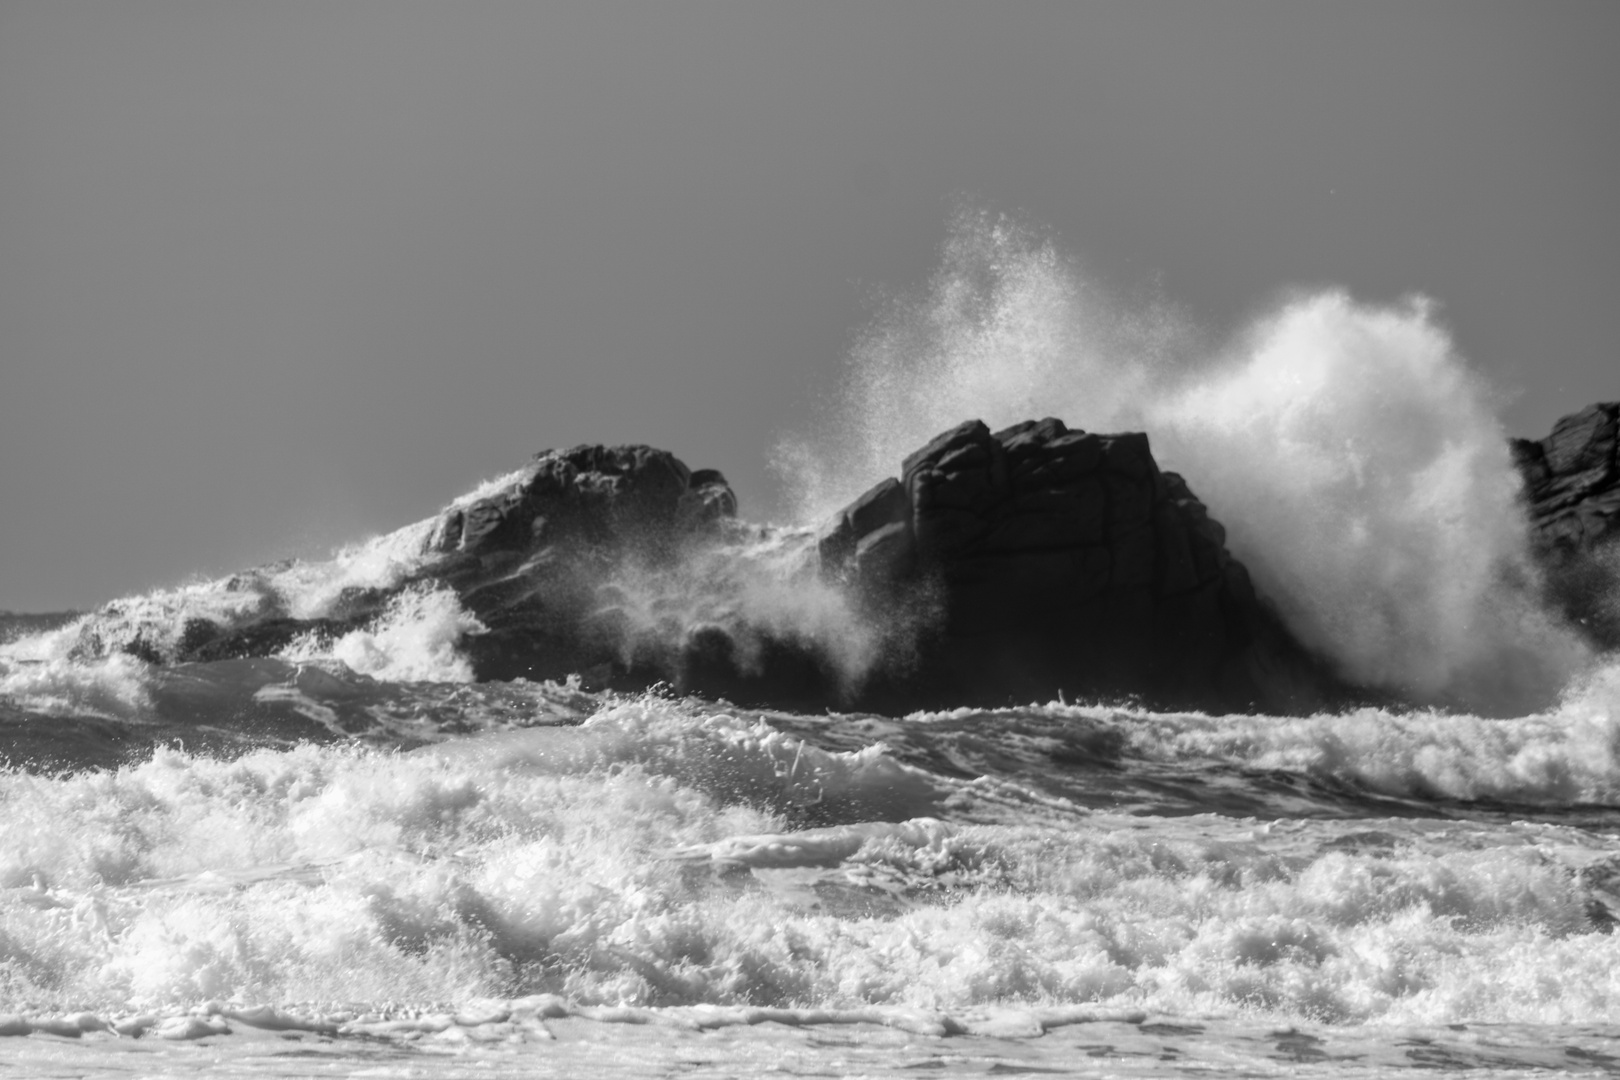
{"x":1065,"y":561}
{"x":1572,"y":492}
{"x":996,"y":568}
{"x":1572,"y":480}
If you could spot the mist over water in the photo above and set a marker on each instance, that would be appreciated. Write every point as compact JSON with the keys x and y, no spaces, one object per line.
{"x":1356,"y":460}
{"x":756,"y":585}
{"x":415,"y":639}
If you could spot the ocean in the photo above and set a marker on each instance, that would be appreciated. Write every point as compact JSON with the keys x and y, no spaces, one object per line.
{"x":294,"y":866}
{"x":351,"y":857}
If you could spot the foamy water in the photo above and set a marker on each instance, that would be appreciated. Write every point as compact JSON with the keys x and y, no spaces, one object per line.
{"x":974,"y":889}
{"x":662,"y":857}
{"x":659,"y":856}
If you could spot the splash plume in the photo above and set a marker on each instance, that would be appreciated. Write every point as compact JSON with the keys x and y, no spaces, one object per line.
{"x":1355,"y":457}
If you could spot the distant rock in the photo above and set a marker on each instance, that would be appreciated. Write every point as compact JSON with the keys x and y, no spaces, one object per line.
{"x":1572,"y":494}
{"x":1065,"y":562}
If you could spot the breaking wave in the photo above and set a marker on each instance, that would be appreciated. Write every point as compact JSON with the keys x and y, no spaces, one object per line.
{"x":1355,"y":458}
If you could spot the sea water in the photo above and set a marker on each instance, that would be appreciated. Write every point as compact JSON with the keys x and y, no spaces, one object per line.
{"x":288,"y":866}
{"x":351,"y":858}
{"x":580,"y":884}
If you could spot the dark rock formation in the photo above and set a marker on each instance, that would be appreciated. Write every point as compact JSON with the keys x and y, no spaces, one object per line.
{"x":528,"y":560}
{"x":997,"y":568}
{"x":1572,"y":492}
{"x":1064,"y":561}
{"x":1572,"y":481}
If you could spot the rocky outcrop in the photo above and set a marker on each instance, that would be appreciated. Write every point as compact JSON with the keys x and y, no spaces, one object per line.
{"x":996,"y":568}
{"x":1572,"y":495}
{"x":529,"y":559}
{"x":1065,"y":562}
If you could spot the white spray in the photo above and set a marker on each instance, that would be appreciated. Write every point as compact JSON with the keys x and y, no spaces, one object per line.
{"x":1355,"y":459}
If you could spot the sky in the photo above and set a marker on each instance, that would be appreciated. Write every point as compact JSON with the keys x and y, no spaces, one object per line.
{"x":278,"y":276}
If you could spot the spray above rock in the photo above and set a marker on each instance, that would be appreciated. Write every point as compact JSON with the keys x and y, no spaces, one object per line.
{"x":1355,"y":456}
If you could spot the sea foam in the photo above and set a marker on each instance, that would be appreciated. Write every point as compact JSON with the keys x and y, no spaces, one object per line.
{"x":415,"y":639}
{"x":649,"y":859}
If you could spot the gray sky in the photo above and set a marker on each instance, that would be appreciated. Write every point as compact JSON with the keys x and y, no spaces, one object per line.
{"x":279,"y":275}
